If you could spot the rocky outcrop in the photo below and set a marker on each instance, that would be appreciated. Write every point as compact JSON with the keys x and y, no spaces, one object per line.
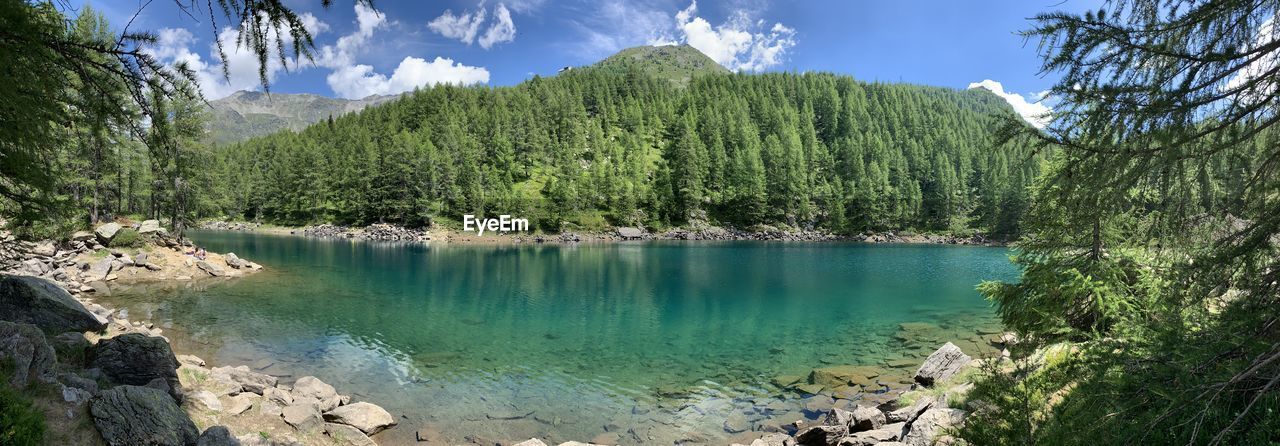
{"x":217,"y":436}
{"x":31,"y":356}
{"x":40,"y":302}
{"x":932,"y":424}
{"x":218,"y":225}
{"x":107,"y":232}
{"x":369,"y":418}
{"x":137,"y":359}
{"x":312,"y":391}
{"x":248,"y":380}
{"x":944,"y":363}
{"x":133,"y":415}
{"x":375,"y":232}
{"x":151,"y":227}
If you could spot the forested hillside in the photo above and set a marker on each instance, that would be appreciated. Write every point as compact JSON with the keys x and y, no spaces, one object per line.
{"x":617,"y":144}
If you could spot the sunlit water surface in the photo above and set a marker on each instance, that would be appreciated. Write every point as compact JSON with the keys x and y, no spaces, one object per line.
{"x":645,"y":343}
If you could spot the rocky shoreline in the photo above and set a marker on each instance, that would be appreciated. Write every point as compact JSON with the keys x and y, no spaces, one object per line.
{"x":702,"y":232}
{"x":118,"y":382}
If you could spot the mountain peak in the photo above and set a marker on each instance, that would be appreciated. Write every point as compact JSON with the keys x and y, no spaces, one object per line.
{"x":677,"y":63}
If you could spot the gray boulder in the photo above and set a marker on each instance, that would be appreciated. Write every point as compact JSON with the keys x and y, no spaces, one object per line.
{"x":133,"y":415}
{"x":46,"y":249}
{"x":866,"y":418}
{"x":106,"y":232}
{"x":909,"y":413}
{"x":369,"y":418}
{"x":32,"y":356}
{"x":149,"y":226}
{"x":942,"y":364}
{"x":931,"y":424}
{"x":349,"y":436}
{"x":889,"y":432}
{"x":249,"y":381}
{"x":234,"y":261}
{"x":630,"y":233}
{"x":774,"y":439}
{"x":137,"y":359}
{"x":217,"y":436}
{"x":39,"y":302}
{"x":99,"y":270}
{"x":323,"y":396}
{"x":213,"y":270}
{"x":303,"y":417}
{"x":821,"y":435}
{"x":82,"y":236}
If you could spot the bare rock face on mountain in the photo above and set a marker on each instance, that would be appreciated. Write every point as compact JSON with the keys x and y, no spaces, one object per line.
{"x":246,"y":114}
{"x":133,"y":415}
{"x":40,"y":302}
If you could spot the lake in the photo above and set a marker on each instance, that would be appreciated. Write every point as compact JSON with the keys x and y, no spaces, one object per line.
{"x":652,"y":342}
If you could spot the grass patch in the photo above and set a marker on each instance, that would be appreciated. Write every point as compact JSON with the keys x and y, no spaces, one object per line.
{"x":21,"y":423}
{"x":126,"y":238}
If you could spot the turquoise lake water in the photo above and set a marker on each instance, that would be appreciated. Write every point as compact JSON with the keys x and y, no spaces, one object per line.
{"x":648,"y":343}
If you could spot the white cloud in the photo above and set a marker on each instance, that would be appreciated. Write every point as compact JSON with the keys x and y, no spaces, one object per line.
{"x":173,"y":46}
{"x":462,"y":27}
{"x":1267,"y":33}
{"x":502,"y":30}
{"x":347,"y":78}
{"x":744,"y":42}
{"x":466,"y":27}
{"x":740,"y":44}
{"x":359,"y":81}
{"x":353,"y":80}
{"x":1034,"y":112}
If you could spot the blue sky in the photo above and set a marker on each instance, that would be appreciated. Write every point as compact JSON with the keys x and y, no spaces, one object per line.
{"x":503,"y":42}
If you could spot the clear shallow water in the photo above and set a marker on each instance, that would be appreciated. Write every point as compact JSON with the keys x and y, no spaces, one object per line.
{"x":655,"y":342}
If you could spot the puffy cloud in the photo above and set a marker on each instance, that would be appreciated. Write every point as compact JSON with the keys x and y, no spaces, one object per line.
{"x":173,"y":46}
{"x":739,"y":44}
{"x":1254,"y":71}
{"x":347,"y":78}
{"x":502,"y":30}
{"x":1034,"y":112}
{"x":359,"y":81}
{"x":462,"y":27}
{"x":465,"y":27}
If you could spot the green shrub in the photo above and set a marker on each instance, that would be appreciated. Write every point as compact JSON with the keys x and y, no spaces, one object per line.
{"x":21,"y":423}
{"x":126,"y":238}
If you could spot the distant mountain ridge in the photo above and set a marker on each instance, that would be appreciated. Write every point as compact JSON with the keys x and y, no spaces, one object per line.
{"x":246,"y":114}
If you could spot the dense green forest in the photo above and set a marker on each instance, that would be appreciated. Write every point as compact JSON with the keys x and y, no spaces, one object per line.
{"x":620,"y":146}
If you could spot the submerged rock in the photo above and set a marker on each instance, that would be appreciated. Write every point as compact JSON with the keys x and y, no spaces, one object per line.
{"x":133,"y":415}
{"x":40,"y":302}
